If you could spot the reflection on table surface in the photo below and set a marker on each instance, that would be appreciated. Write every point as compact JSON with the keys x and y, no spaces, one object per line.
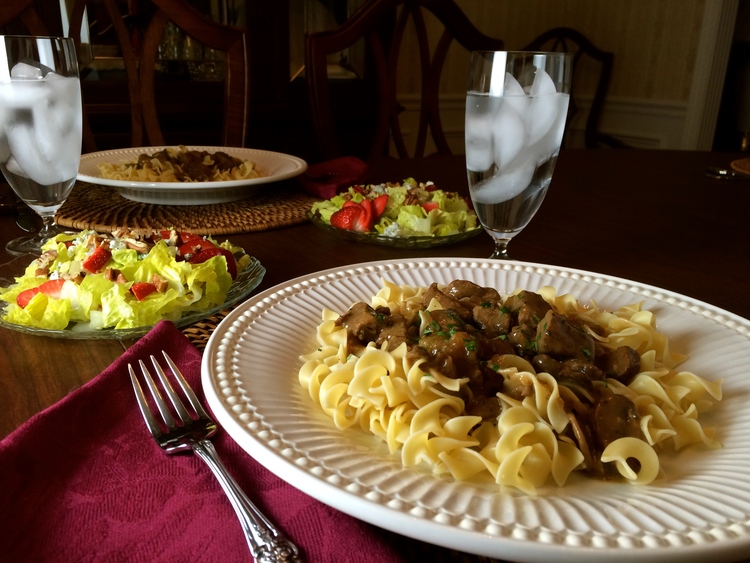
{"x":650,"y":216}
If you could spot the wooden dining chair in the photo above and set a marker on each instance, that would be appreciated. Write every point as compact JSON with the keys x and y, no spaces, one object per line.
{"x":22,"y":16}
{"x":568,"y":40}
{"x":224,"y":39}
{"x":383,"y":48}
{"x":141,"y":59}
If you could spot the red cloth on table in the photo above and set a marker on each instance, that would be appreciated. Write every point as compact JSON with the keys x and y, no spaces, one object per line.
{"x":85,"y":481}
{"x":326,"y":179}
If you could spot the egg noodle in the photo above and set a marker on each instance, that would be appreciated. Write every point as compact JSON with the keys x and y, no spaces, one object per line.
{"x":417,"y":412}
{"x":172,"y":167}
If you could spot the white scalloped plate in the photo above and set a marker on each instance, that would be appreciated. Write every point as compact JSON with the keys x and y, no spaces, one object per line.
{"x":272,"y":167}
{"x":700,"y":508}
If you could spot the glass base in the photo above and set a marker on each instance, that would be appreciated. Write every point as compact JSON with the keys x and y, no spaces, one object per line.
{"x":25,"y":245}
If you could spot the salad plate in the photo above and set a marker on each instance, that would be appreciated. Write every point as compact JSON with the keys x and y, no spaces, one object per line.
{"x":272,"y":167}
{"x":397,"y":242}
{"x":247,"y":280}
{"x":699,"y":508}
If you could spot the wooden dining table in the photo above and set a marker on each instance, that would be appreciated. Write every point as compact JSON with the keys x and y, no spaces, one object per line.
{"x":650,"y":216}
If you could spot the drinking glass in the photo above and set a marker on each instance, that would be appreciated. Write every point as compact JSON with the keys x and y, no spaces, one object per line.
{"x":516,"y":105}
{"x":40,"y":126}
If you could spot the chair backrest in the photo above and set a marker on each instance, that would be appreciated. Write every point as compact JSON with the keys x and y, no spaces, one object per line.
{"x":225,"y":39}
{"x":21,"y":16}
{"x":142,"y":63}
{"x":568,"y":40}
{"x":369,"y":22}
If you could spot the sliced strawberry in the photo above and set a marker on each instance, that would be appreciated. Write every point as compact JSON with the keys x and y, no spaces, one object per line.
{"x":166,"y":235}
{"x":193,"y":246}
{"x":378,"y":205}
{"x":187,"y":237}
{"x":141,"y":290}
{"x":430,"y":205}
{"x":350,"y":203}
{"x":347,"y":217}
{"x":209,"y":253}
{"x":53,"y":288}
{"x":369,"y":219}
{"x":97,"y":259}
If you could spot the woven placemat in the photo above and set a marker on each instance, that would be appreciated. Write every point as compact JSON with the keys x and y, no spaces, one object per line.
{"x":103,"y":209}
{"x":742,"y":165}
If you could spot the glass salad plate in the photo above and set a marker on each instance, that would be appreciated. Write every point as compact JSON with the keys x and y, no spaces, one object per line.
{"x":247,"y":280}
{"x":398,"y":242}
{"x":273,"y":167}
{"x":698,"y":510}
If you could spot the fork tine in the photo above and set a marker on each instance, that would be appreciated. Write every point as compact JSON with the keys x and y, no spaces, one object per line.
{"x":194,"y":402}
{"x":148,"y":416}
{"x":160,"y":403}
{"x":169,"y":390}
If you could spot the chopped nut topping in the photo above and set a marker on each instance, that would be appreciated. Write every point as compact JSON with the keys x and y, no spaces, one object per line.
{"x":161,"y":283}
{"x":138,"y":246}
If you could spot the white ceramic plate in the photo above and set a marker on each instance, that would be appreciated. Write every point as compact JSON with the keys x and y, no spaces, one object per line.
{"x":272,"y":166}
{"x":700,"y":509}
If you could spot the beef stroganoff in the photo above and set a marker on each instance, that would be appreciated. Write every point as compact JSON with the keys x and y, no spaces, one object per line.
{"x":527,"y":389}
{"x":181,"y":165}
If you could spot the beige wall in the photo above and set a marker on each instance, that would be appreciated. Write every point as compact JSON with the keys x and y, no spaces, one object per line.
{"x":655,"y":45}
{"x":654,"y":41}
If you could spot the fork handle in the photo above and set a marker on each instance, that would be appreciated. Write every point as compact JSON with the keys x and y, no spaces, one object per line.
{"x":267,"y":544}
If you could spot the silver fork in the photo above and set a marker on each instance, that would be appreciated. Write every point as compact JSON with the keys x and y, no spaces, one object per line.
{"x":267,"y":544}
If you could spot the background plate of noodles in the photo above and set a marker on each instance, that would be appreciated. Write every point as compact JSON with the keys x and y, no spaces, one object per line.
{"x":698,"y":510}
{"x":156,"y":183}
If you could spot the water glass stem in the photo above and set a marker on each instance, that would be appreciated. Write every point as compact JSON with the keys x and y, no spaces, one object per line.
{"x":49,"y":228}
{"x":501,"y":249}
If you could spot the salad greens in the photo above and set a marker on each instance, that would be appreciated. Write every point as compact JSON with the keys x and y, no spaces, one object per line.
{"x":139,"y":279}
{"x":412,"y":209}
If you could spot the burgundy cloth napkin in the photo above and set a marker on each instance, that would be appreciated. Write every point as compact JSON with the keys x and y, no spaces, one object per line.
{"x":84,"y":481}
{"x":326,"y":179}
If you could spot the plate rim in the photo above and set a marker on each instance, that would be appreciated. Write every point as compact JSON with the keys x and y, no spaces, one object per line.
{"x":416,"y":241}
{"x":299,"y":167}
{"x":474,"y":542}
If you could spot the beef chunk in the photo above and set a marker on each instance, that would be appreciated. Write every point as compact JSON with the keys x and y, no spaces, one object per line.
{"x":447,"y":301}
{"x":579,"y":370}
{"x":472,"y":294}
{"x":544,"y":363}
{"x":493,"y":320}
{"x":615,"y":417}
{"x":558,"y":338}
{"x":489,"y":347}
{"x":395,"y":331}
{"x":361,"y":323}
{"x":528,"y":307}
{"x":521,"y":339}
{"x":622,"y":364}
